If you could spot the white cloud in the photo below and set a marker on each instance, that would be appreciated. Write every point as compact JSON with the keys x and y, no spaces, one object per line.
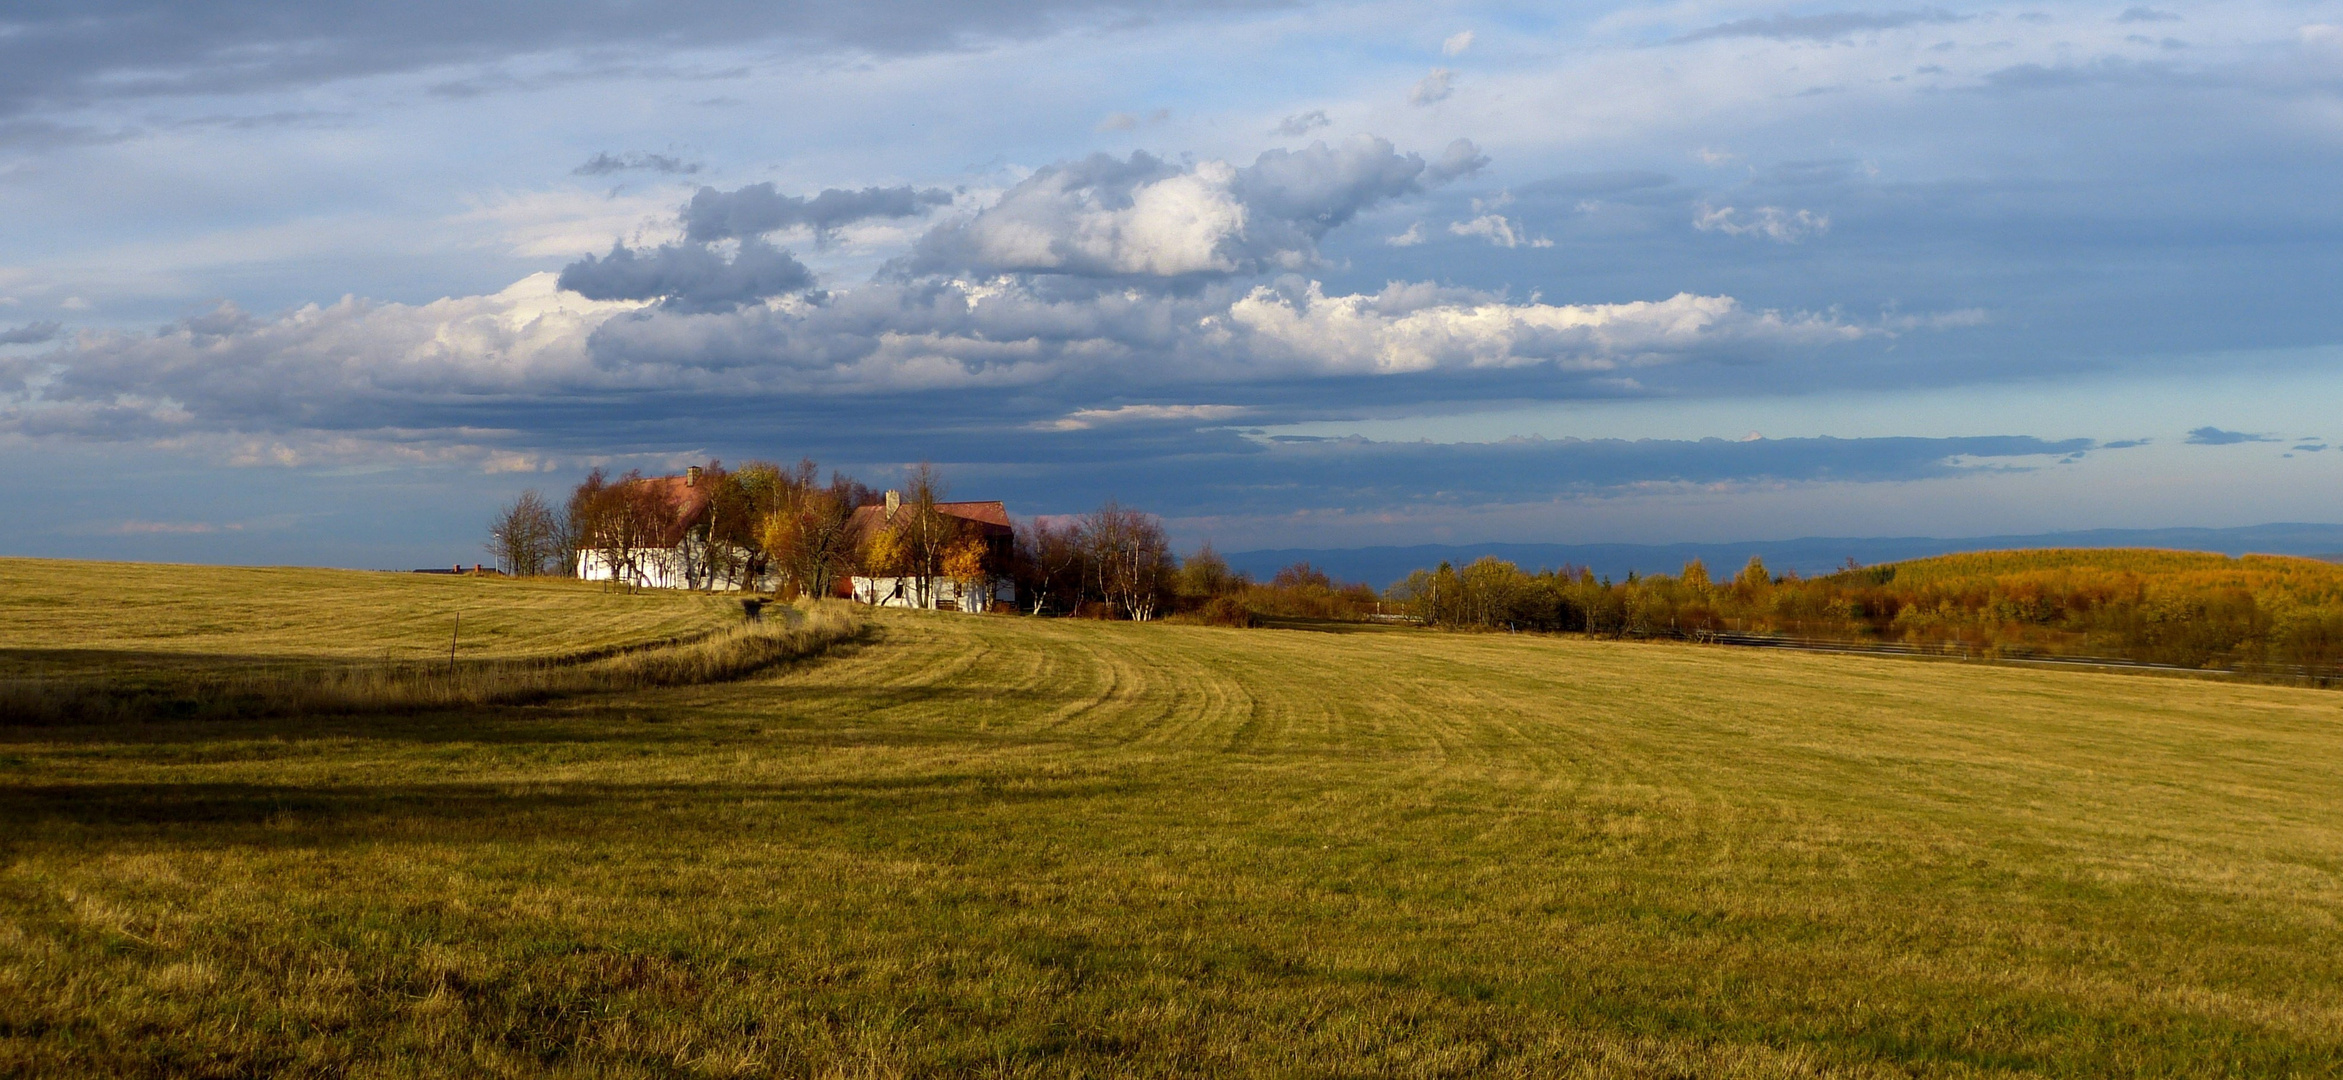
{"x":1085,"y":419}
{"x":1146,"y":217}
{"x":358,"y":380}
{"x":1768,"y":222}
{"x":1457,"y":44}
{"x":1498,"y":230}
{"x":1433,"y":87}
{"x":225,"y":367}
{"x":565,"y":223}
{"x":1413,"y":236}
{"x":1414,"y":328}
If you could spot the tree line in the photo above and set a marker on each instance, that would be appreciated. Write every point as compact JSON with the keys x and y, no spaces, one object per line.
{"x":799,"y":532}
{"x":2188,"y":609}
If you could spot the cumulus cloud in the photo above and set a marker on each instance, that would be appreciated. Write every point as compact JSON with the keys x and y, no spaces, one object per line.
{"x":1146,"y":217}
{"x":758,"y":209}
{"x":351,"y":364}
{"x":605,"y":163}
{"x":454,"y":370}
{"x":1827,"y":26}
{"x":688,"y":276}
{"x":30,"y":334}
{"x":1413,"y":236}
{"x":1304,"y":123}
{"x":1459,"y":160}
{"x":1432,"y":88}
{"x":1457,"y":44}
{"x":1120,"y":280}
{"x":1766,"y":222}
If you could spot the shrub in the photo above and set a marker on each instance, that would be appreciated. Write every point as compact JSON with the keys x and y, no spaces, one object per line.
{"x":1227,"y":611}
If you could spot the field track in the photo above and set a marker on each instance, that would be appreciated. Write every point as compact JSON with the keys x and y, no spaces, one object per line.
{"x":1017,"y":847}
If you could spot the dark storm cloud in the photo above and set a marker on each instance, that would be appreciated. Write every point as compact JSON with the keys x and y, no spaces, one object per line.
{"x":688,"y":277}
{"x":1360,"y":474}
{"x":761,"y":208}
{"x":605,"y":163}
{"x":62,"y":53}
{"x":30,"y":334}
{"x":1823,"y":27}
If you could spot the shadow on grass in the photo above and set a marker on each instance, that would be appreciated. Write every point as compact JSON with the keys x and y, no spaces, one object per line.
{"x":315,"y":815}
{"x":663,"y":717}
{"x":1332,"y":626}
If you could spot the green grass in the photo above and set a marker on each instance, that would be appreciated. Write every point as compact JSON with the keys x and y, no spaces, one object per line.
{"x":991,"y":846}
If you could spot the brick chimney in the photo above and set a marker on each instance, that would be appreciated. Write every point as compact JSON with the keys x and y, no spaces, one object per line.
{"x":691,"y":476}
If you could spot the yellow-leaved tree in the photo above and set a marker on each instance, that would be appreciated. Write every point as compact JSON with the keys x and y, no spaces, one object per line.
{"x":884,"y":554}
{"x":964,"y":562}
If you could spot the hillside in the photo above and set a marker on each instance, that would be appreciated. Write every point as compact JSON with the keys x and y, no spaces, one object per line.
{"x":1052,"y":848}
{"x":2262,"y":615}
{"x":59,"y":618}
{"x":1807,"y":555}
{"x":2193,"y":609}
{"x":130,"y":640}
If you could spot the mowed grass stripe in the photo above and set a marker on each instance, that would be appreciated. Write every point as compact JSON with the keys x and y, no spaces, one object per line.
{"x":1003,"y":846}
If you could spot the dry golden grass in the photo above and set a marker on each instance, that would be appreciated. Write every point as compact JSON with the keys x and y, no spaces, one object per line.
{"x":1003,"y":847}
{"x":116,"y":641}
{"x":131,"y":613}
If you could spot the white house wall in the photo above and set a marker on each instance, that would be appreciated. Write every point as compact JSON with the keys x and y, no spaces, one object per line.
{"x":904,"y":592}
{"x":663,"y":568}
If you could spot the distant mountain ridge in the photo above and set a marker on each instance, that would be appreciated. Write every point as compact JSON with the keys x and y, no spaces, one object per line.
{"x":1808,"y":555}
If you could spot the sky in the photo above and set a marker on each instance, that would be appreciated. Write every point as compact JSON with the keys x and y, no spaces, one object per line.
{"x":326,"y":283}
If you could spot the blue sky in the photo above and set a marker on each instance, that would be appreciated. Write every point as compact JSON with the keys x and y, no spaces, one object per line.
{"x":324,"y":283}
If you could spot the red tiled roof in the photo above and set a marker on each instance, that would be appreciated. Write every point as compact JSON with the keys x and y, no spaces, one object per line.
{"x":986,"y":513}
{"x":991,"y":517}
{"x":690,"y":502}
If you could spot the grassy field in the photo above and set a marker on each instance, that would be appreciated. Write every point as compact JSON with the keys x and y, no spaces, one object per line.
{"x":61,"y":618}
{"x":1013,"y":847}
{"x":117,"y":641}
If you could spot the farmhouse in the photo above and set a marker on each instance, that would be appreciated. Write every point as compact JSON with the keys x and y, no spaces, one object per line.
{"x":655,"y":535}
{"x":979,"y":587}
{"x":671,"y":549}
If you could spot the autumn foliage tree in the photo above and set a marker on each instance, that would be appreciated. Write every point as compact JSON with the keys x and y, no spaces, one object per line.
{"x":807,"y":533}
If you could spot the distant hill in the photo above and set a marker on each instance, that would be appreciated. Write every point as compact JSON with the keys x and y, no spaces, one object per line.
{"x":1809,"y":555}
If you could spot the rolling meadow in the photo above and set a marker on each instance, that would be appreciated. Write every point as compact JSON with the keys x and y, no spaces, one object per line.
{"x":943,"y":844}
